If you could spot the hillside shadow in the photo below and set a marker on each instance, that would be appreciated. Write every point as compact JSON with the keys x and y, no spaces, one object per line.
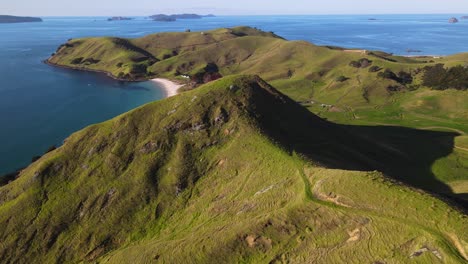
{"x":401,"y":153}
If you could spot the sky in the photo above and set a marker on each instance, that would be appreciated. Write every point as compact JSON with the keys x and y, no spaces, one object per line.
{"x":230,"y":7}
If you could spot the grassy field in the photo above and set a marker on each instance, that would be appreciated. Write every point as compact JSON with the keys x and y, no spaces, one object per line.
{"x":320,"y":78}
{"x":231,"y":172}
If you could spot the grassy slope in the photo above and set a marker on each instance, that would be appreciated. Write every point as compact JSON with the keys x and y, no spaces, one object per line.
{"x":306,"y":73}
{"x":207,"y":176}
{"x":118,"y":55}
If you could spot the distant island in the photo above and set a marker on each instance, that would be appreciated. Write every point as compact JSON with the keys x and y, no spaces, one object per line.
{"x":17,"y":19}
{"x":453,"y":20}
{"x":163,"y":18}
{"x":413,"y":50}
{"x":464,"y":17}
{"x":119,"y":18}
{"x":174,"y":17}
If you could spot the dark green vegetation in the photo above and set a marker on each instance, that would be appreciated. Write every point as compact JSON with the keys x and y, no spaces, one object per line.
{"x":441,"y":78}
{"x":232,"y":172}
{"x":18,"y":19}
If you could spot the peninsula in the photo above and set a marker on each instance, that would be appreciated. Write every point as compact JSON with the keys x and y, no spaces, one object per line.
{"x":245,"y":164}
{"x":18,"y":19}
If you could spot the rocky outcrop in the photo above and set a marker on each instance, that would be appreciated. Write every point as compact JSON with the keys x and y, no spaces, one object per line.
{"x":453,"y":20}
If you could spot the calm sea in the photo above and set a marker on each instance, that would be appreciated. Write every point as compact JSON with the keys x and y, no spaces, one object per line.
{"x":41,"y":105}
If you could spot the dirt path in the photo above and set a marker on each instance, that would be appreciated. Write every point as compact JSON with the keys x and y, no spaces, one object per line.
{"x":465,"y":149}
{"x":461,"y":132}
{"x":314,"y":194}
{"x":356,"y":51}
{"x":445,"y":128}
{"x":324,"y":197}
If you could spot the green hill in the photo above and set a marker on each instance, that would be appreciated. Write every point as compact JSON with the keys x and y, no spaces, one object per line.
{"x":354,"y":87}
{"x":233,"y":171}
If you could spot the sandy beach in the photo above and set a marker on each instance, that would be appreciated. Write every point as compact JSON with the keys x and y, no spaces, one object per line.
{"x":170,"y":87}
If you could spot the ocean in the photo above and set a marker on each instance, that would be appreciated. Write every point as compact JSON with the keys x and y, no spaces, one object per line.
{"x":41,"y":105}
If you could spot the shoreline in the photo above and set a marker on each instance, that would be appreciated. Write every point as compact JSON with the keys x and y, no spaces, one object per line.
{"x":169,"y":87}
{"x":83,"y":69}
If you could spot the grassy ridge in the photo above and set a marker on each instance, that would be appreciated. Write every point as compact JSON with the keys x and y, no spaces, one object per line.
{"x":320,"y":78}
{"x":132,"y":59}
{"x":219,"y":174}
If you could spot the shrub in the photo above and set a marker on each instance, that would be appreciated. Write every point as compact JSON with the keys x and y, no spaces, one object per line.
{"x":365,"y":62}
{"x":211,"y":76}
{"x":355,"y":64}
{"x":166,"y":56}
{"x":90,"y":61}
{"x":361,"y":63}
{"x":395,"y":88}
{"x":51,"y":148}
{"x":375,"y":69}
{"x":211,"y":67}
{"x":405,"y":77}
{"x":440,"y":78}
{"x":388,"y":74}
{"x":401,"y":78}
{"x":341,"y":78}
{"x":365,"y":94}
{"x":138,"y":69}
{"x":77,"y":60}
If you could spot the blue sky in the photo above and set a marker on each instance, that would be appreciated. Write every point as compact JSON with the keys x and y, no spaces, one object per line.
{"x":231,"y":7}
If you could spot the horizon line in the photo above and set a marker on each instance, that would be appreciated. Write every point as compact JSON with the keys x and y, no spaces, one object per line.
{"x":273,"y":14}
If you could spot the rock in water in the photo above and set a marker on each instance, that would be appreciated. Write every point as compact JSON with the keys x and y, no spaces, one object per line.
{"x":453,"y":20}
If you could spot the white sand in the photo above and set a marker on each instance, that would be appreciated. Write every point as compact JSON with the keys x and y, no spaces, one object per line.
{"x":169,"y":87}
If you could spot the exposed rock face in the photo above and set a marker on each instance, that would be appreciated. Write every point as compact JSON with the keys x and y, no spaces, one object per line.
{"x":16,"y":19}
{"x":453,"y":20}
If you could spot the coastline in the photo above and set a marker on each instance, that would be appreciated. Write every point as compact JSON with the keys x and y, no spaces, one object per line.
{"x":169,"y":87}
{"x":108,"y":74}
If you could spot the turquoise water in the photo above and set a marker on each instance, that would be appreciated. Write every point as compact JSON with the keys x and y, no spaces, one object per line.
{"x":41,"y":105}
